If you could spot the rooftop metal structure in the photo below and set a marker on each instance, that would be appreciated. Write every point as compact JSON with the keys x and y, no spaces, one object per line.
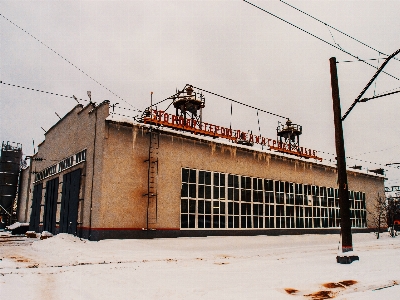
{"x":289,"y":134}
{"x":189,"y":104}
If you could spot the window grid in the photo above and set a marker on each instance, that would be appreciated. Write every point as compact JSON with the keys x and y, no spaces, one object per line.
{"x":233,"y":201}
{"x":258,"y":203}
{"x":214,"y":200}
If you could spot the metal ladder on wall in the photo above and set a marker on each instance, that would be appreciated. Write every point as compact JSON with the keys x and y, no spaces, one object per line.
{"x":152,"y":177}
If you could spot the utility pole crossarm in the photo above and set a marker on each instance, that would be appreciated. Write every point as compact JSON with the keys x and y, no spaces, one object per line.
{"x":370,"y":82}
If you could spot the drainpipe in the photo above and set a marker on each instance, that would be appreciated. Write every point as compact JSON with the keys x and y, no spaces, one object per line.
{"x":93,"y":161}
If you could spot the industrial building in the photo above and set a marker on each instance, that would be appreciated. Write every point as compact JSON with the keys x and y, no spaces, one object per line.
{"x":10,"y":162}
{"x":167,"y":175}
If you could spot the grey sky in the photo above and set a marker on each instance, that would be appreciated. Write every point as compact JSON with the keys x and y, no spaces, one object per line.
{"x":227,"y":47}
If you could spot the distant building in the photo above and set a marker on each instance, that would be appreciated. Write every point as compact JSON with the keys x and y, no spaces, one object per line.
{"x":104,"y":177}
{"x":10,"y":162}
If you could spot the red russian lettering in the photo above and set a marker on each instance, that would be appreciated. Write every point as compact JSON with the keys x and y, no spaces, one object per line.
{"x":263,"y":141}
{"x":210,"y":128}
{"x":237,"y":134}
{"x":153,"y":114}
{"x":166,"y":117}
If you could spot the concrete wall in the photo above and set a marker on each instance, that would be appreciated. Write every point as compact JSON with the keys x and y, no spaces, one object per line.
{"x":82,"y":128}
{"x":125,"y":173}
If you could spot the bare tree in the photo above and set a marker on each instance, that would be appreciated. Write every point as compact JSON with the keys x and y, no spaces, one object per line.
{"x":378,"y":214}
{"x":392,"y":214}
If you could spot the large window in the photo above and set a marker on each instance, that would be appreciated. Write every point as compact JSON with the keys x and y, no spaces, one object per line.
{"x":233,"y":201}
{"x":215,"y":200}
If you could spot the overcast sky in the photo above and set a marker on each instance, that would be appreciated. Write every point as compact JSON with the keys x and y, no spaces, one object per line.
{"x":231,"y":48}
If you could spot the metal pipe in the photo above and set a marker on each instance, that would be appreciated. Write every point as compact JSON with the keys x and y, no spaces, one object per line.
{"x":92,"y":184}
{"x":28,"y":187}
{"x":148,"y":171}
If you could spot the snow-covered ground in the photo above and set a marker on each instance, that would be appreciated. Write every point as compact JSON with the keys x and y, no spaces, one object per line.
{"x":258,"y":267}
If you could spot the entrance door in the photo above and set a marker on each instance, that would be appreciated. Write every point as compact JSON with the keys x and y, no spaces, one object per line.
{"x":50,"y":206}
{"x":70,"y":202}
{"x":36,"y":204}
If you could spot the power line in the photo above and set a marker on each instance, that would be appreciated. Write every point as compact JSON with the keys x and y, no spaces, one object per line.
{"x":235,"y":101}
{"x":232,"y":100}
{"x":56,"y":94}
{"x":388,"y":91}
{"x":37,"y":90}
{"x":58,"y":54}
{"x":378,"y":96}
{"x":381,"y":150}
{"x":317,"y":37}
{"x":361,"y":160}
{"x":329,"y":26}
{"x":369,"y":83}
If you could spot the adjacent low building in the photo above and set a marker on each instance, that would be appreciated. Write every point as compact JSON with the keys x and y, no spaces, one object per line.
{"x":100,"y":177}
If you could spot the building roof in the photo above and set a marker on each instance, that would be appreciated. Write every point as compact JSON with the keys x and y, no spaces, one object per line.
{"x":130,"y":122}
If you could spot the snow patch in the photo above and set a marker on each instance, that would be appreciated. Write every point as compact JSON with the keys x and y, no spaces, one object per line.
{"x":16,"y":225}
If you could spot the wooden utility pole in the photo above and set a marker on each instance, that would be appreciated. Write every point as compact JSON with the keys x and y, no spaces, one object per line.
{"x":345,"y":222}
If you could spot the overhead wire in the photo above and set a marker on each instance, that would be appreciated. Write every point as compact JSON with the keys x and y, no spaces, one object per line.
{"x":376,"y":80}
{"x":378,"y":96}
{"x":329,"y":26}
{"x":65,"y":59}
{"x":333,"y":38}
{"x":388,"y":91}
{"x":41,"y":91}
{"x":358,"y":60}
{"x":357,"y":159}
{"x":134,"y":118}
{"x":235,"y":101}
{"x":57,"y":94}
{"x":317,"y":37}
{"x":169,"y":98}
{"x":381,"y":150}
